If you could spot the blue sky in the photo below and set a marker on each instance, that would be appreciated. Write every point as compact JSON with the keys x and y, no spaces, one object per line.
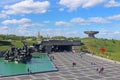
{"x":68,"y":18}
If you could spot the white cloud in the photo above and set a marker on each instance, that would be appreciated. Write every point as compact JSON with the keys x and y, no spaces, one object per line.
{"x":74,"y":4}
{"x":62,"y":23}
{"x":112,"y":3}
{"x":4,"y":30}
{"x":16,"y":22}
{"x":3,"y":16}
{"x":115,"y":17}
{"x":83,"y":21}
{"x":27,"y":7}
{"x":24,"y":26}
{"x":24,"y":22}
{"x":91,"y":3}
{"x":109,"y":34}
{"x":117,"y":33}
{"x":61,"y":9}
{"x":71,"y":4}
{"x":28,"y":25}
{"x":98,"y":20}
{"x":46,"y":22}
{"x":8,"y":2}
{"x":59,"y":32}
{"x":23,"y":31}
{"x":27,"y":29}
{"x":78,"y":20}
{"x":103,"y":31}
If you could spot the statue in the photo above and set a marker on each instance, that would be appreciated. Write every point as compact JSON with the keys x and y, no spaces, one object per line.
{"x":91,"y":33}
{"x":18,"y":55}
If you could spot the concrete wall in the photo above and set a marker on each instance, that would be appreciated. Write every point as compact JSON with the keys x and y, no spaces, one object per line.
{"x":76,"y":49}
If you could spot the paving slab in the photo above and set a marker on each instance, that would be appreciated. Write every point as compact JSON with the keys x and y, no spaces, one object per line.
{"x":84,"y":78}
{"x":83,"y":70}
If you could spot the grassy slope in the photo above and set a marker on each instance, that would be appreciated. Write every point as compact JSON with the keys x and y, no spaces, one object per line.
{"x":93,"y":45}
{"x":15,"y":43}
{"x":4,"y":45}
{"x":112,"y":47}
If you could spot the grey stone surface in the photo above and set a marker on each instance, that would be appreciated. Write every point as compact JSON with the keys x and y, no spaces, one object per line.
{"x":7,"y":79}
{"x":25,"y":77}
{"x":95,"y":77}
{"x":84,"y":78}
{"x":83,"y":70}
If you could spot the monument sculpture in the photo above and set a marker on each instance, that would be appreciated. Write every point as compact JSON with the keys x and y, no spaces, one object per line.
{"x":91,"y":34}
{"x":18,"y":55}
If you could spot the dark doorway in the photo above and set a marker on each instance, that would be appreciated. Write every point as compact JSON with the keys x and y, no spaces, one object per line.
{"x":61,"y":48}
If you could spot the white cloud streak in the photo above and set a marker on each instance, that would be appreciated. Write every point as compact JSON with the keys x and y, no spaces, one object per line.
{"x":8,"y":2}
{"x":3,"y":16}
{"x":23,"y":26}
{"x":112,"y":3}
{"x":88,"y":21}
{"x":59,"y":32}
{"x":4,"y":30}
{"x":91,"y":3}
{"x":62,"y":23}
{"x":61,"y":9}
{"x":115,"y":17}
{"x":24,"y":22}
{"x":27,"y":7}
{"x":117,"y":33}
{"x":98,"y":20}
{"x":74,"y":4}
{"x":16,"y":22}
{"x":78,"y":20}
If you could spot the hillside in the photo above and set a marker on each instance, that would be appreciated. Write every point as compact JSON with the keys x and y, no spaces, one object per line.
{"x":4,"y":45}
{"x":112,"y":47}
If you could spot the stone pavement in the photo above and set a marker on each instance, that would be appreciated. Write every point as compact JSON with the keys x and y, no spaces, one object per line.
{"x":84,"y":70}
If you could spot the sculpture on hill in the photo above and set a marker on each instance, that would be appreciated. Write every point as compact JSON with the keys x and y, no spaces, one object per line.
{"x":91,"y":34}
{"x":19,"y":55}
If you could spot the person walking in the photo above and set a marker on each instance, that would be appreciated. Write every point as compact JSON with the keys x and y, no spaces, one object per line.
{"x":97,"y":69}
{"x":74,"y":64}
{"x":81,"y":55}
{"x":28,"y":71}
{"x":101,"y":70}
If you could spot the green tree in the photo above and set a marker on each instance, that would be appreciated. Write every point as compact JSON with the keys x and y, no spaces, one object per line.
{"x":59,"y":38}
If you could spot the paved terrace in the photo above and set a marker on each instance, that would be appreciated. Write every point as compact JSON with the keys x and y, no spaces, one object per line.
{"x":83,"y":71}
